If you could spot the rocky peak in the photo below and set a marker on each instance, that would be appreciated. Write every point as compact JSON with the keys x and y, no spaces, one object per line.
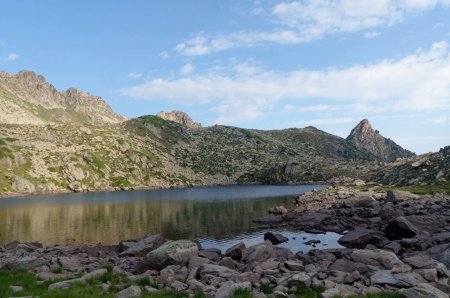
{"x":179,"y":117}
{"x":27,"y":98}
{"x":368,"y":140}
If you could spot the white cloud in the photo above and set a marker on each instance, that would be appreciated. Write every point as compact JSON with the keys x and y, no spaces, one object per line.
{"x":135,"y":75}
{"x":325,"y":121}
{"x":164,"y":55}
{"x":12,"y":57}
{"x":417,"y":82}
{"x":371,"y":34}
{"x":309,"y":20}
{"x":187,"y":69}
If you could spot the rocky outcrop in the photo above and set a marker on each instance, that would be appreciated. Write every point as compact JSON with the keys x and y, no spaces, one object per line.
{"x":366,"y":139}
{"x":179,"y":117}
{"x":426,"y":169}
{"x":27,"y":98}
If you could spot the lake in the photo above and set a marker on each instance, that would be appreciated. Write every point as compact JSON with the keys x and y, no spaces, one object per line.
{"x":217,"y":216}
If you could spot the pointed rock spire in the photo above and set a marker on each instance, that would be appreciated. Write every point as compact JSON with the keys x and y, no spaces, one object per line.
{"x":368,"y":140}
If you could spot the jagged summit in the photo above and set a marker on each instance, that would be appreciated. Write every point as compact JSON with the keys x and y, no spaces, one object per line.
{"x":368,"y":140}
{"x":27,"y":98}
{"x":179,"y":117}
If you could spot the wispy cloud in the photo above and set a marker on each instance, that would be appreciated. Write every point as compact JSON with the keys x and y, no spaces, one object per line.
{"x":309,"y":20}
{"x":186,"y":69}
{"x":417,"y":82}
{"x":164,"y":55}
{"x":12,"y":57}
{"x":371,"y":34}
{"x":134,"y":75}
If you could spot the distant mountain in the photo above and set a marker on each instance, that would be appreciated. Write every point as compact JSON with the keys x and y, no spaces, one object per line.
{"x":368,"y":140}
{"x":179,"y":117}
{"x":71,"y":140}
{"x":27,"y":98}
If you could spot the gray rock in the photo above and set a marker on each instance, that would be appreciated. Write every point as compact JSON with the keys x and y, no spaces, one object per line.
{"x":195,"y":262}
{"x":16,"y":289}
{"x":430,"y":275}
{"x":172,"y":252}
{"x":423,"y":291}
{"x":399,"y":196}
{"x":399,"y":280}
{"x":363,"y":199}
{"x":179,"y":286}
{"x":71,"y":263}
{"x":150,"y":289}
{"x":83,"y":279}
{"x":360,"y":237}
{"x":142,"y":246}
{"x":212,"y":254}
{"x":275,"y":238}
{"x":261,"y":252}
{"x":226,"y":289}
{"x":216,"y":270}
{"x":400,"y":228}
{"x":339,"y":290}
{"x":25,"y":262}
{"x":294,"y":265}
{"x":195,"y":285}
{"x":235,"y":252}
{"x":227,"y":262}
{"x":300,"y":280}
{"x":379,"y":258}
{"x":441,"y":253}
{"x":133,"y":291}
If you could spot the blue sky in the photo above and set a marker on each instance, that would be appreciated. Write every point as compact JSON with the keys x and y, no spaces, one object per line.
{"x":255,"y":64}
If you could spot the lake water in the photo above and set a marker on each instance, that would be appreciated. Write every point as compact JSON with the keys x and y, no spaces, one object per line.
{"x":217,"y":216}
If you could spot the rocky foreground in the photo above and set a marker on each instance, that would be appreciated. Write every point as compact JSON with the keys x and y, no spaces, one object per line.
{"x":394,"y":241}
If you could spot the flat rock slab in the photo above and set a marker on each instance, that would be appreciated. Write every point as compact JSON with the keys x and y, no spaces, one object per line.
{"x":172,"y":252}
{"x":83,"y":279}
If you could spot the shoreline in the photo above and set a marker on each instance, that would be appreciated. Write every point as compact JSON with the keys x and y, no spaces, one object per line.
{"x":389,"y":246}
{"x":8,"y":195}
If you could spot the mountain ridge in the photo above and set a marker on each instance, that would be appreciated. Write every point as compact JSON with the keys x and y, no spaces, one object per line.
{"x":87,"y":148}
{"x":28,"y":98}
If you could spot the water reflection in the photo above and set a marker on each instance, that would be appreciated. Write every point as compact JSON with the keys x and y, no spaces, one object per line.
{"x":217,"y":213}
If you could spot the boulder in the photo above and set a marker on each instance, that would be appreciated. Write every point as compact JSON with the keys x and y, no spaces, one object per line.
{"x":441,"y":253}
{"x":300,"y":280}
{"x":379,"y":258}
{"x":83,"y":279}
{"x":294,"y":265}
{"x":25,"y":262}
{"x":364,"y":199}
{"x":399,"y":280}
{"x":142,"y":246}
{"x":423,"y":291}
{"x":339,"y":290}
{"x":399,"y":196}
{"x":360,"y":237}
{"x":133,"y":291}
{"x":227,"y":289}
{"x":212,"y":254}
{"x":172,"y":252}
{"x":261,"y":252}
{"x":235,"y":252}
{"x":275,"y":238}
{"x":400,"y":228}
{"x":216,"y":270}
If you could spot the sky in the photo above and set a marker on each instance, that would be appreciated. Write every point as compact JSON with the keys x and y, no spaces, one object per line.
{"x":253,"y":64}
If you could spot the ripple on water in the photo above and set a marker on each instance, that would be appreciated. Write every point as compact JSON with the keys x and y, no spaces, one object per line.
{"x":296,"y":241}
